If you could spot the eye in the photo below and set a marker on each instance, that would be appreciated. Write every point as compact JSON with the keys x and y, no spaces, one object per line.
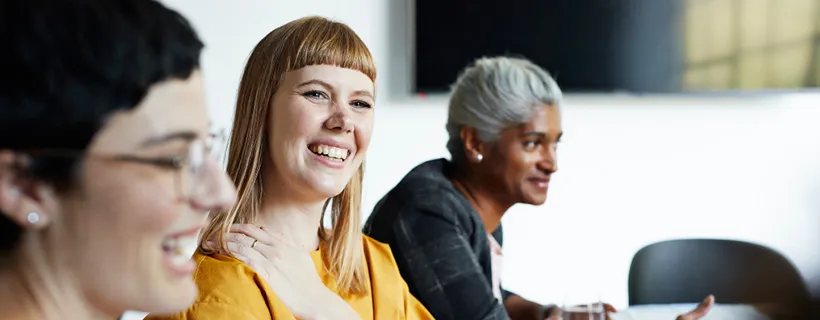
{"x":532,"y":144}
{"x":172,"y":162}
{"x":360,"y":104}
{"x":315,"y":95}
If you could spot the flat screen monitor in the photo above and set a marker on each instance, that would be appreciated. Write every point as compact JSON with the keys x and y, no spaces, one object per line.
{"x":640,"y":46}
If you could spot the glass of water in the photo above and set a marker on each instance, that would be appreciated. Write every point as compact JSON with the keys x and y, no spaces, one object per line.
{"x":582,"y":305}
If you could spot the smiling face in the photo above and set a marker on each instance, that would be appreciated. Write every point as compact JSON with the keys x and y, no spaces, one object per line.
{"x":132,"y":219}
{"x":519,"y":165}
{"x":321,"y":122}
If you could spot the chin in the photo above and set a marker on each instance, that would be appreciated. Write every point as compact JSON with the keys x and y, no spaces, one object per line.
{"x":329,"y":191}
{"x":327,"y":187}
{"x":162,"y":291}
{"x":535,"y":199}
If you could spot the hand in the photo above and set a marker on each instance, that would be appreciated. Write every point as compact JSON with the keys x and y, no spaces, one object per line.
{"x":291,"y":273}
{"x":700,"y":311}
{"x":554,"y":312}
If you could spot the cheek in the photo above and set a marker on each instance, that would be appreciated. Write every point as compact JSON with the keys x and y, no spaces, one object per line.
{"x":292,"y":122}
{"x":141,"y":203}
{"x":364,"y":131}
{"x":517,"y":164}
{"x":529,"y":159}
{"x":123,"y":217}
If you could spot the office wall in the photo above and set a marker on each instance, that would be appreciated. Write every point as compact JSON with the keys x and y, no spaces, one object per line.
{"x":633,"y":170}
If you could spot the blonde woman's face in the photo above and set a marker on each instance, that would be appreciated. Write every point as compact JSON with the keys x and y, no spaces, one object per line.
{"x":320,"y":127}
{"x":132,"y":220}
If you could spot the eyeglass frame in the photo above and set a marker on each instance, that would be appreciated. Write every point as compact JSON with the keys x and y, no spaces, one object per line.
{"x":177,"y":163}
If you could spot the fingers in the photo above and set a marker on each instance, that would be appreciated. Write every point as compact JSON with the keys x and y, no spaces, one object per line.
{"x":241,"y":239}
{"x":706,"y":305}
{"x":211,"y":245}
{"x":271,"y":239}
{"x":254,"y":232}
{"x":608,"y":308}
{"x":700,"y":311}
{"x":240,"y":245}
{"x":246,"y":254}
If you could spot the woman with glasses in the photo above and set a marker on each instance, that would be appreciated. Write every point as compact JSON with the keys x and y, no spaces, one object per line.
{"x":303,"y":122}
{"x":106,"y":170}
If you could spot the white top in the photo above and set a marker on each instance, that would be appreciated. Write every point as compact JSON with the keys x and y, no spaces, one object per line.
{"x":497,"y":264}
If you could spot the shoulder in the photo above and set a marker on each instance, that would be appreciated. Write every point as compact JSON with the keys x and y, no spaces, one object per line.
{"x":378,"y":251}
{"x":380,"y":262}
{"x":426,"y":178}
{"x":228,"y":289}
{"x":426,"y":188}
{"x":227,"y":281}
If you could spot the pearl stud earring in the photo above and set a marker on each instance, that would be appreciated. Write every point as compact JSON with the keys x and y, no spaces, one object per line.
{"x":33,"y":217}
{"x":479,"y":157}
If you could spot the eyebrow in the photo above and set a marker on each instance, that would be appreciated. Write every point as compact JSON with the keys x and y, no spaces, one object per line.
{"x":542,"y":135}
{"x":327,"y":86}
{"x":363,"y":93}
{"x":179,"y":135}
{"x":315,"y":81}
{"x":535,"y":134}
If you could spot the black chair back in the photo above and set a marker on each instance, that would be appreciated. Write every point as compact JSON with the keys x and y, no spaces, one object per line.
{"x":686,"y":271}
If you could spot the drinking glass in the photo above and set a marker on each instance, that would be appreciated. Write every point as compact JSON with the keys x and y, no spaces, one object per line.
{"x":582,"y":305}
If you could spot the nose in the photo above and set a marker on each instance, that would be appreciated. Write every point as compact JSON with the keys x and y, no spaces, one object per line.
{"x":216,"y":192}
{"x":549,"y":161}
{"x":339,"y":121}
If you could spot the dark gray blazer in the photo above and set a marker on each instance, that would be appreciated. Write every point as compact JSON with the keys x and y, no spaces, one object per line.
{"x":440,"y":244}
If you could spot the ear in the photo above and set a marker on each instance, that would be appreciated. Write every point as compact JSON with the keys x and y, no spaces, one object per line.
{"x":474,"y":148}
{"x":21,"y":199}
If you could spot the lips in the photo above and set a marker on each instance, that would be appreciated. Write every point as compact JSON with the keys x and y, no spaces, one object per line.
{"x":331,"y":152}
{"x":174,"y":248}
{"x":541,"y":183}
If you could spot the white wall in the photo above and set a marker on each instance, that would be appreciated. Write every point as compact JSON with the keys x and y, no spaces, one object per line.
{"x":634,"y":170}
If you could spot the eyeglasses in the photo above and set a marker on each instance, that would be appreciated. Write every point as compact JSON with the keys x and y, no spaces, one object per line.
{"x":192,"y":169}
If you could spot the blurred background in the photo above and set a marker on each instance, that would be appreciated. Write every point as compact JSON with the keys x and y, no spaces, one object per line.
{"x":683,"y":118}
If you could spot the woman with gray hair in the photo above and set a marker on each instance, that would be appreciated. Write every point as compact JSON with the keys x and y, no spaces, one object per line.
{"x":443,"y":220}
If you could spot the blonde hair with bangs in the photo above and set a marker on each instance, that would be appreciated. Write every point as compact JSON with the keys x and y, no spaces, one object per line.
{"x":304,"y":42}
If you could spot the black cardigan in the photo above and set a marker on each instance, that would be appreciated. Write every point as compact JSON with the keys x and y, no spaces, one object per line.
{"x":440,"y":244}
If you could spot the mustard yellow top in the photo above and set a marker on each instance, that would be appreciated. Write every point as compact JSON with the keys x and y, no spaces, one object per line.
{"x":231,"y":290}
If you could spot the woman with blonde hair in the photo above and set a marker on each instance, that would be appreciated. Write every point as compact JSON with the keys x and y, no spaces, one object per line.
{"x":304,"y":118}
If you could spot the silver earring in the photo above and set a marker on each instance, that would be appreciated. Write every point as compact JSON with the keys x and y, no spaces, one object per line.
{"x":33,"y":217}
{"x":479,"y":157}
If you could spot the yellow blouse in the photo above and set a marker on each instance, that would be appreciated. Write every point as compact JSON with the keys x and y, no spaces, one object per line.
{"x":231,"y":290}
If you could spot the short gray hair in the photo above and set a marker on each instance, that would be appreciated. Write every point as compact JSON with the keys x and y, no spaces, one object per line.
{"x":495,"y":93}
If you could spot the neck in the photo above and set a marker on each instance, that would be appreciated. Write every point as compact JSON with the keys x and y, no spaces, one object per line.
{"x":18,"y":301}
{"x":298,"y":222}
{"x":484,"y":201}
{"x":25,"y":296}
{"x":295,"y":217}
